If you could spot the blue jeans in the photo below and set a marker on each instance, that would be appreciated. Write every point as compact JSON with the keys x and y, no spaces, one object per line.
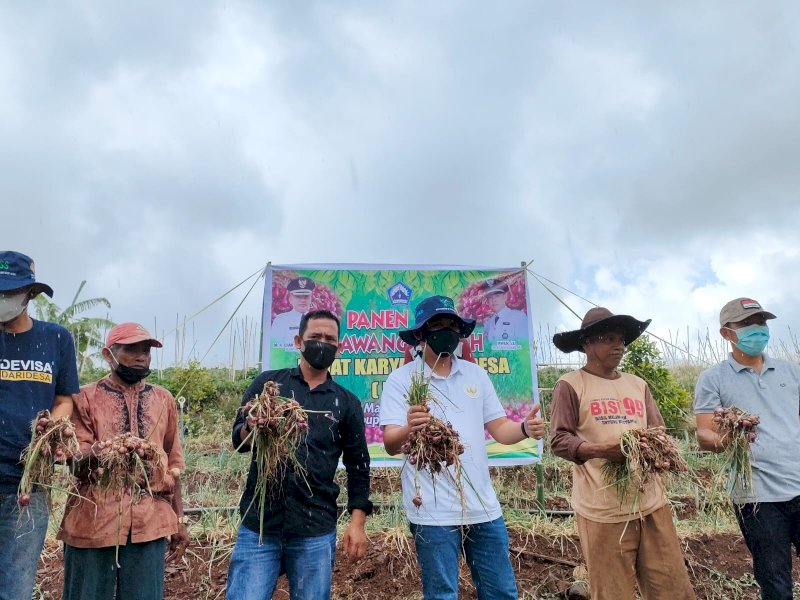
{"x":770,"y":529}
{"x":485,"y":547}
{"x":22,"y":533}
{"x":92,"y":574}
{"x":255,"y":568}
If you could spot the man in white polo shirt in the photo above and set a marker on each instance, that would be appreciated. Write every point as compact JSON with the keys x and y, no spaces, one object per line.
{"x":769,"y":514}
{"x":442,"y":526}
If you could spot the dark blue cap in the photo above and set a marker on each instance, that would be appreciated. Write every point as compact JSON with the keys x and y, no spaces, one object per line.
{"x":435,"y":306}
{"x":17,"y":271}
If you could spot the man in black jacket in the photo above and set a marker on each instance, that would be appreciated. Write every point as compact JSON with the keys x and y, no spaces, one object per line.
{"x":297,"y":534}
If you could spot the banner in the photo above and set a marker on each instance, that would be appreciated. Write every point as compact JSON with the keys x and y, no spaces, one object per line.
{"x":376,"y":302}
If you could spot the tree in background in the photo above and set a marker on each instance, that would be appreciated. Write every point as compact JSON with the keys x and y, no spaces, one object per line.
{"x":642,"y":358}
{"x":88,"y":332}
{"x":194,"y":383}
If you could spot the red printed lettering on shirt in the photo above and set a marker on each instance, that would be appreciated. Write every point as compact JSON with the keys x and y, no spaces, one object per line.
{"x":633,"y":407}
{"x":595,"y":408}
{"x":630,"y":407}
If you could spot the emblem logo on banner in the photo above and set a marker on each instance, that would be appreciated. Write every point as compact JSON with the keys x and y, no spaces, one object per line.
{"x":400,"y":294}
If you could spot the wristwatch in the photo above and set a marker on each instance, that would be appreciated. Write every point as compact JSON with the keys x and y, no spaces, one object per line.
{"x":184,"y":520}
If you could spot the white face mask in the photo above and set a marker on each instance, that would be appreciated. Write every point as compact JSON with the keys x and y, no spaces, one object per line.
{"x":12,"y":305}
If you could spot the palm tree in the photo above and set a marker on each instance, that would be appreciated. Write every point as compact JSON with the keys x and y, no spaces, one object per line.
{"x":87,"y":332}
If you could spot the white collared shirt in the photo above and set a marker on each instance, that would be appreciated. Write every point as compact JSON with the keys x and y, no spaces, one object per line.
{"x":507,"y":325}
{"x":284,"y":327}
{"x":466,"y":398}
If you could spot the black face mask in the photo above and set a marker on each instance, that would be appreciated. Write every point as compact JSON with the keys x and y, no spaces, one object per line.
{"x":319,"y":355}
{"x":442,"y":341}
{"x":130,"y":375}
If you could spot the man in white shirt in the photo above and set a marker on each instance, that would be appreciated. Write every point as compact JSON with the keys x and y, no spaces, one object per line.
{"x":507,"y":324}
{"x":286,"y":326}
{"x":443,"y":526}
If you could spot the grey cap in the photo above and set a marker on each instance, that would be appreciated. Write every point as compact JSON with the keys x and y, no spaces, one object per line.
{"x":739,"y":309}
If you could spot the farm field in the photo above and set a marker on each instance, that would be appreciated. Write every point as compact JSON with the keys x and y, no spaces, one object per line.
{"x":545,"y":549}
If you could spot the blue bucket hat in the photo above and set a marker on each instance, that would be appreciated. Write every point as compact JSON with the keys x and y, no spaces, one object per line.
{"x":435,"y":306}
{"x":17,"y":271}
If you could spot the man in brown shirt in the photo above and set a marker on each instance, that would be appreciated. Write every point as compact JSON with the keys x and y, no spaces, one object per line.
{"x":622,"y":543}
{"x":115,"y":542}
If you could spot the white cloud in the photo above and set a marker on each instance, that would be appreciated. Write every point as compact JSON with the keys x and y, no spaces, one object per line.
{"x":642,"y":156}
{"x":607,"y":82}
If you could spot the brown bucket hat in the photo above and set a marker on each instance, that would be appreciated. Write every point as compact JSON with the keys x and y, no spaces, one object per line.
{"x":599,"y":320}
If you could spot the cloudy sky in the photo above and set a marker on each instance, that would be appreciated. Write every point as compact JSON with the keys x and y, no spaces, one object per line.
{"x":643,"y":155}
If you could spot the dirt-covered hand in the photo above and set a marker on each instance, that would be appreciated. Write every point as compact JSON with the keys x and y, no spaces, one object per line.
{"x":611,"y":451}
{"x":418,"y":416}
{"x":355,"y":542}
{"x":178,"y":542}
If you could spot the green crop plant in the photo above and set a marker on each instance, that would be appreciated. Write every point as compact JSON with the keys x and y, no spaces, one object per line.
{"x":643,"y":359}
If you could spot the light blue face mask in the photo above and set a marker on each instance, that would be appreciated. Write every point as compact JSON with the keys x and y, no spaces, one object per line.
{"x":752,"y":339}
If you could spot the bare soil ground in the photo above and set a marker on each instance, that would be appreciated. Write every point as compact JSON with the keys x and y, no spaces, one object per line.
{"x":719,"y":564}
{"x":719,"y":567}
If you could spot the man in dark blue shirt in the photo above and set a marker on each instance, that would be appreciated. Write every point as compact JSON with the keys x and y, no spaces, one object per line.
{"x":298,"y":531}
{"x":37,"y":372}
